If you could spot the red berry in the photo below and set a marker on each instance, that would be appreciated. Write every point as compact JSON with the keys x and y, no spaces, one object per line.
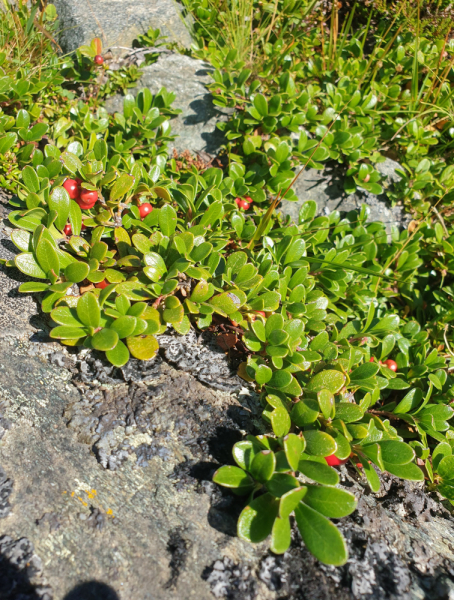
{"x":333,"y":461}
{"x":238,"y":201}
{"x":72,"y":187}
{"x":371,"y":359}
{"x":88,"y":196}
{"x":85,"y":205}
{"x":145,"y":209}
{"x":67,"y":229}
{"x":83,"y":227}
{"x":102,"y":284}
{"x":391,"y":364}
{"x":248,"y":199}
{"x":260,"y":312}
{"x":99,"y":59}
{"x":243,"y":204}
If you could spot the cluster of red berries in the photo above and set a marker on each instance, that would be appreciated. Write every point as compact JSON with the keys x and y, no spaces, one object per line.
{"x":86,"y":199}
{"x":391,"y":364}
{"x":244,"y":203}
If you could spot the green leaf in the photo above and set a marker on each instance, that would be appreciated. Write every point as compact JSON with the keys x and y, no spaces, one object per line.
{"x":244,"y":453}
{"x":174,"y":311}
{"x":202,"y":291}
{"x":71,"y":162}
{"x":290,"y":501}
{"x":64,"y":315}
{"x":33,"y":286}
{"x":293,"y":446}
{"x":395,"y":452}
{"x":167,"y":220}
{"x":411,"y":401}
{"x":319,"y":443}
{"x":280,"y":535}
{"x":77,"y":271}
{"x":88,"y":310}
{"x":330,"y":380}
{"x":263,"y":465}
{"x":318,"y":472}
{"x":47,"y":257}
{"x":121,"y":187}
{"x":409,"y":471}
{"x":119,"y":356}
{"x":397,"y":384}
{"x":330,"y":502}
{"x":105,"y":340}
{"x":124,"y":325}
{"x":75,"y":217}
{"x":321,"y":537}
{"x":234,"y":478}
{"x":228,"y":302}
{"x":280,"y":421}
{"x":259,"y":329}
{"x":22,"y":239}
{"x":263,"y":374}
{"x":7,"y":141}
{"x":60,"y":201}
{"x":305,"y":412}
{"x":257,"y":519}
{"x":280,"y":379}
{"x":278,"y":337}
{"x":67,"y":333}
{"x":261,"y":104}
{"x":215,"y":211}
{"x":326,"y":402}
{"x":446,"y":467}
{"x":364,"y":371}
{"x":143,"y":347}
{"x":281,"y":483}
{"x":27,"y":264}
{"x":348,"y":412}
{"x":30,"y":179}
{"x":371,"y":475}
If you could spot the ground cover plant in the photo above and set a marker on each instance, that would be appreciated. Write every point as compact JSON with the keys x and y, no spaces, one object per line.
{"x":345,"y":334}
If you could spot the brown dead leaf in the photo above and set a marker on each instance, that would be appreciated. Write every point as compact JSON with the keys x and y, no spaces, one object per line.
{"x":226,"y":341}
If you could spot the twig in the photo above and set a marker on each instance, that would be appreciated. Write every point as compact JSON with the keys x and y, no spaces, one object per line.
{"x":440,"y":218}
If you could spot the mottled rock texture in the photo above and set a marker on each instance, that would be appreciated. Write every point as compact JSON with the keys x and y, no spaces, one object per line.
{"x":187,"y":77}
{"x":119,"y":22}
{"x":326,"y":187}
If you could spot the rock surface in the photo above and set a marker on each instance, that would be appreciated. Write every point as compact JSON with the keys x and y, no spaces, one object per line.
{"x":326,"y":188}
{"x":106,"y":489}
{"x":119,"y":22}
{"x":187,"y":77}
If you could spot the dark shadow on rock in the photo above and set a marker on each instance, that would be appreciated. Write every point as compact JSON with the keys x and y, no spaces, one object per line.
{"x":221,"y":443}
{"x":15,"y":582}
{"x":8,"y":244}
{"x":92,"y":590}
{"x":20,"y":571}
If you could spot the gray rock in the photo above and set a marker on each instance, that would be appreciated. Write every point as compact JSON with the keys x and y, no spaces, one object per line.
{"x":326,"y":188}
{"x":119,"y":22}
{"x":187,"y":78}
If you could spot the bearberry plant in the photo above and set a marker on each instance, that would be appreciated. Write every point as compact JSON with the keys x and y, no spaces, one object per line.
{"x":344,"y":330}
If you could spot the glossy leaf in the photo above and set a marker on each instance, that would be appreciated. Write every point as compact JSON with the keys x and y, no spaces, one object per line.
{"x":321,"y":537}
